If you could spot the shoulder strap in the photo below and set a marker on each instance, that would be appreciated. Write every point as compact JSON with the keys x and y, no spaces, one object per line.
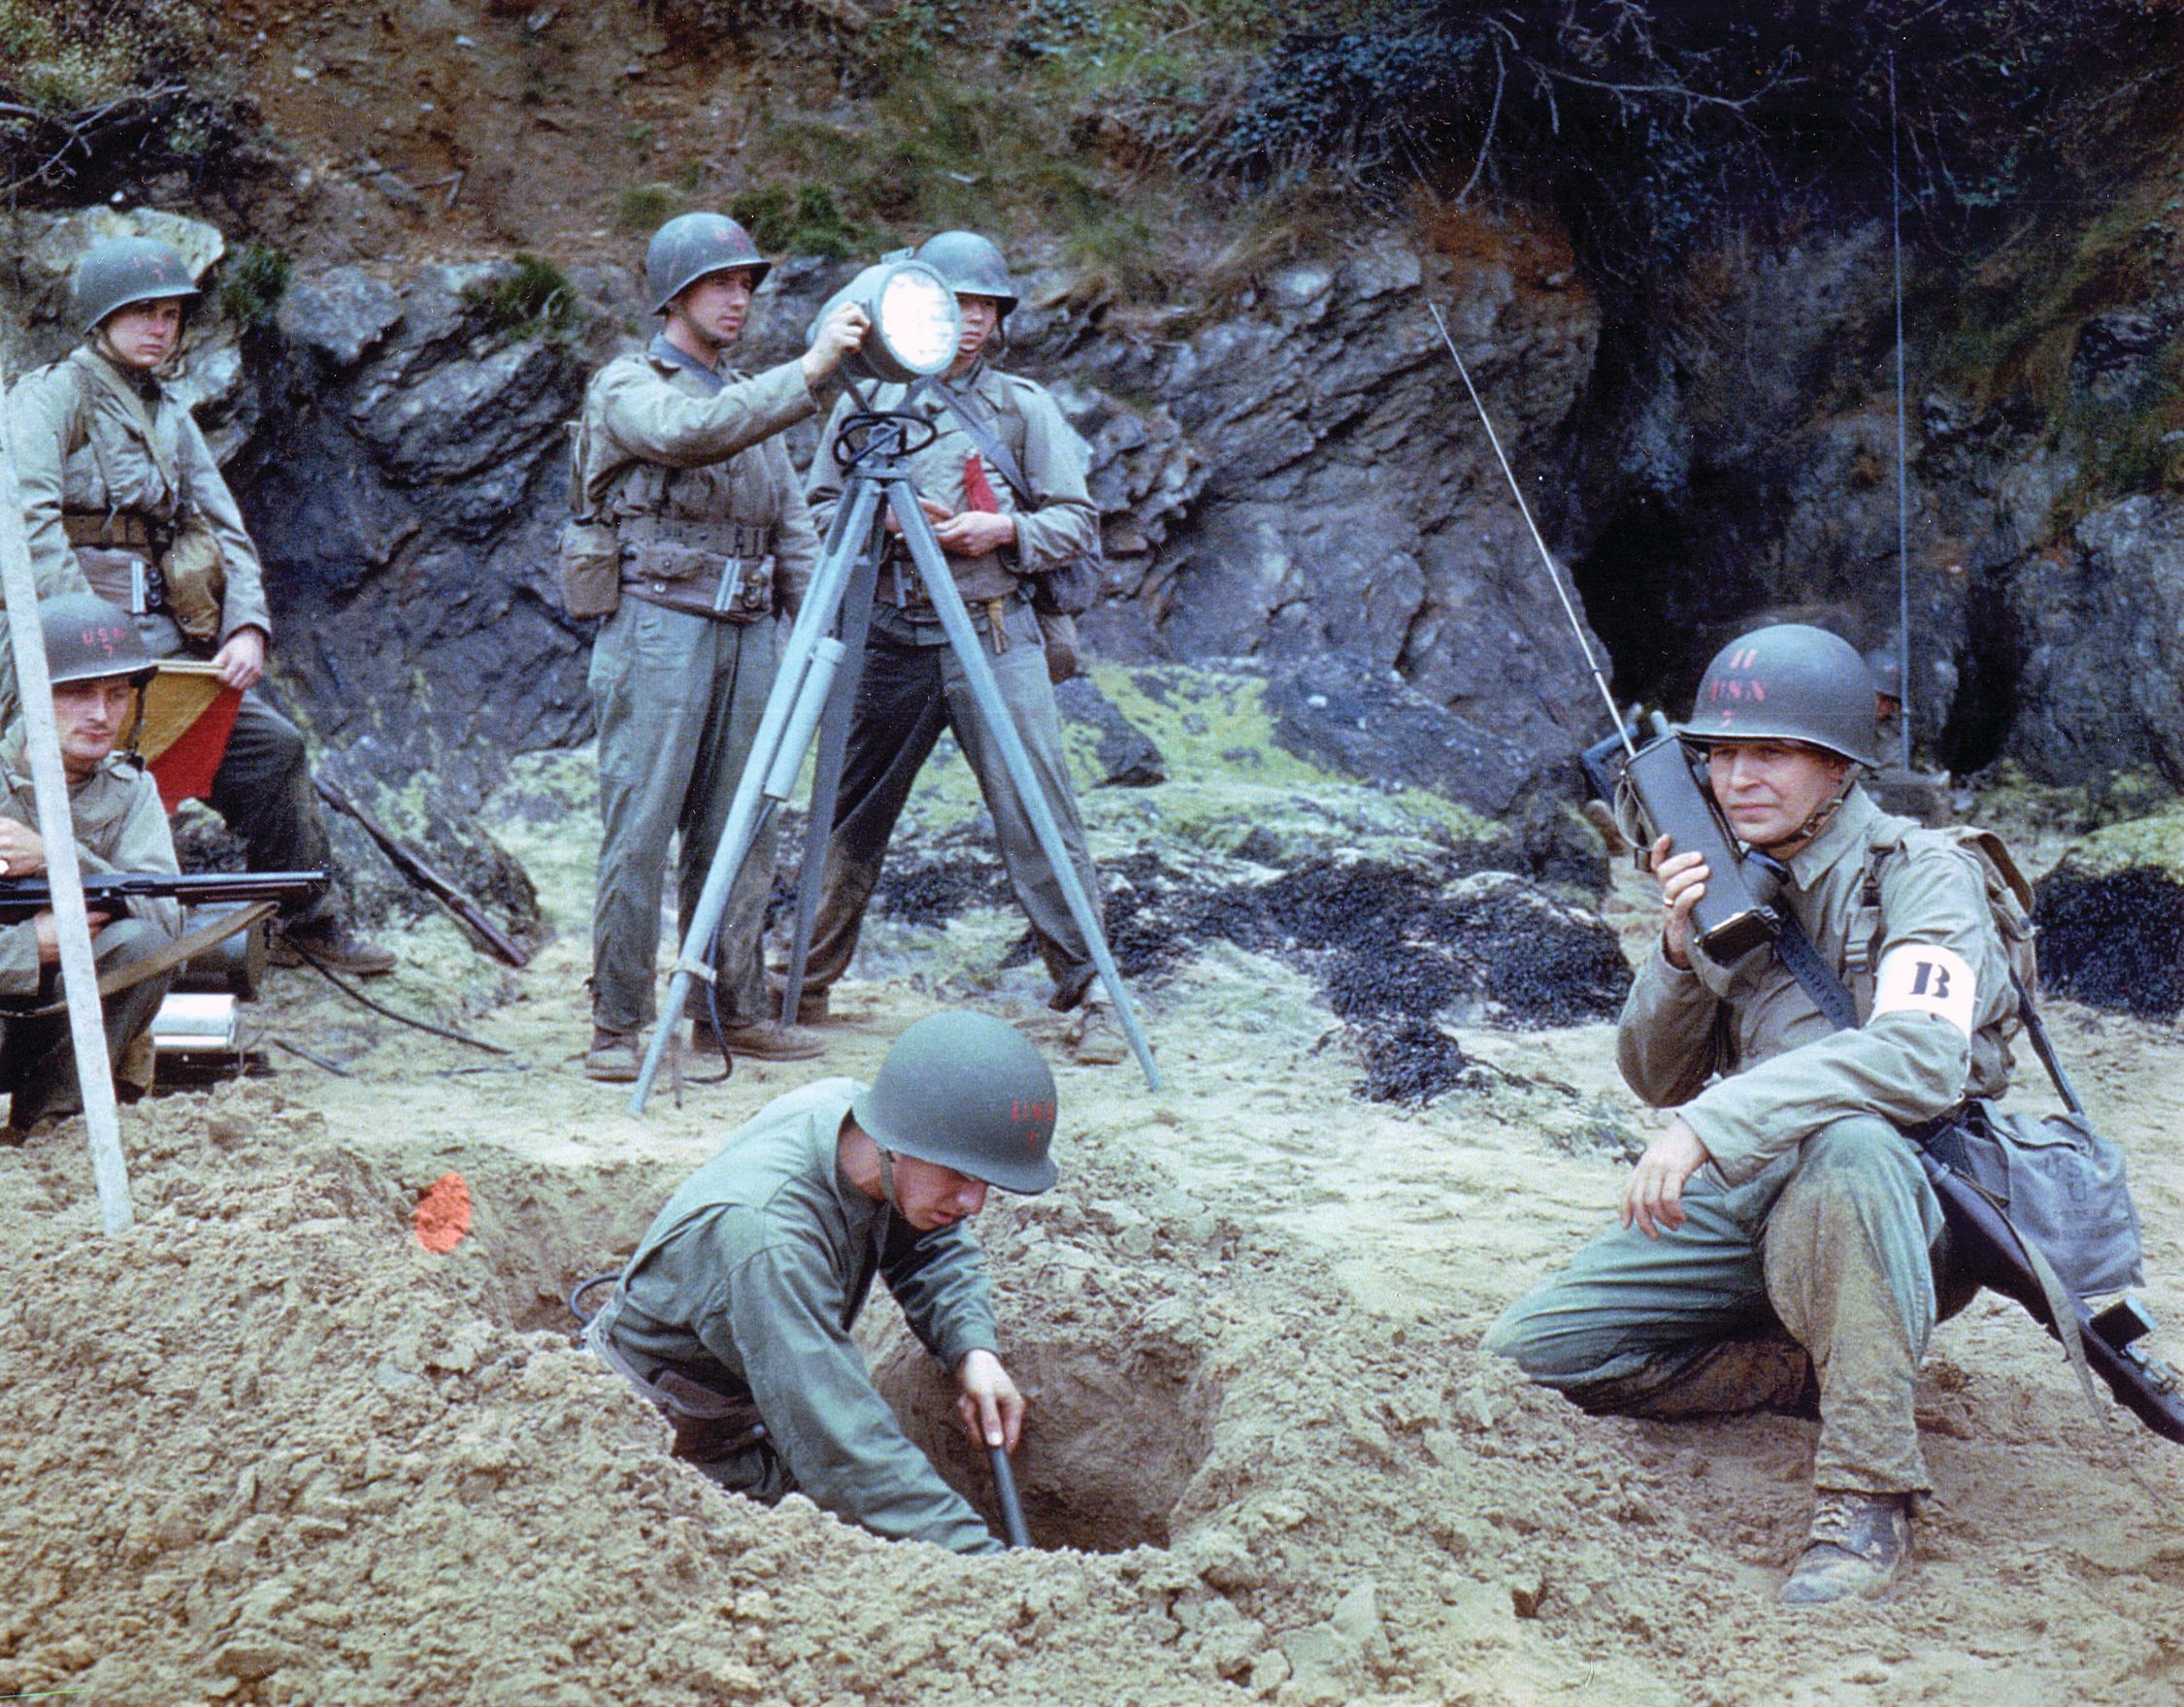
{"x":1814,"y":973}
{"x":988,"y":442}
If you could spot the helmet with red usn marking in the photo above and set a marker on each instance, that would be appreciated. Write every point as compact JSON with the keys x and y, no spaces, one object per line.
{"x":1790,"y":681}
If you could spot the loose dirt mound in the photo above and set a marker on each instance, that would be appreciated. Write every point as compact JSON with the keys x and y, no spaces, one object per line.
{"x":266,"y":1448}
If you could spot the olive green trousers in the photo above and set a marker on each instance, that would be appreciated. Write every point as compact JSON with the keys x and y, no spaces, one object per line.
{"x":38,"y":1051}
{"x":677,"y":700}
{"x":1818,"y":1282}
{"x":909,"y":693}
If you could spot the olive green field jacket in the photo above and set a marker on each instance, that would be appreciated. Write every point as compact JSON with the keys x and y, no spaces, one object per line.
{"x":1741,"y":1053}
{"x":751,"y":1278}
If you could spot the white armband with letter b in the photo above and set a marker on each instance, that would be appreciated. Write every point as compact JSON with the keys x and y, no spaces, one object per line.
{"x":1922,"y":977}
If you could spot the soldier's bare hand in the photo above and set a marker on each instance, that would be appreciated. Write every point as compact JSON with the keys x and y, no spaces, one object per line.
{"x":991,"y":1407}
{"x":242,"y":661}
{"x":1683,"y":880}
{"x":22,"y":853}
{"x":934,"y":513}
{"x":1654,"y":1197}
{"x":840,"y":332}
{"x":975,"y":533}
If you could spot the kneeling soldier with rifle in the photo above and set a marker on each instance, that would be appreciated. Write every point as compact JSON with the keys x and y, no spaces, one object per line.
{"x":733,"y":1316}
{"x":97,"y":664}
{"x":1780,"y":1246}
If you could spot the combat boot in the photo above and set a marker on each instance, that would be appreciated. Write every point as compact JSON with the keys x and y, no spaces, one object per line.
{"x":1859,"y":1544}
{"x":332,"y":944}
{"x":762,"y":1040}
{"x":612,"y":1058}
{"x":810,"y":1001}
{"x":1096,"y":1039}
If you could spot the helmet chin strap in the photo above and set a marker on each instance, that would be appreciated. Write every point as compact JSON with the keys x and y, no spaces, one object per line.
{"x":1818,"y":822}
{"x":888,"y":1177}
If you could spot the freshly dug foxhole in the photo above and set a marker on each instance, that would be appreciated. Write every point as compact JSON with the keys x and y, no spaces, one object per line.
{"x":1120,"y":1417}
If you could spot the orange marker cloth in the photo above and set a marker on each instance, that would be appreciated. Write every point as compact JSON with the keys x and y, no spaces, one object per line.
{"x":189,"y":715}
{"x":443,"y":1214}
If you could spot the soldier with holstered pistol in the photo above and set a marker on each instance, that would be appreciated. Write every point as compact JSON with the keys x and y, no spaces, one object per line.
{"x":691,"y":533}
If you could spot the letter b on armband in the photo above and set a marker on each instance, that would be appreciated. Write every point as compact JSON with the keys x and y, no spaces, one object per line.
{"x":1921,"y":977}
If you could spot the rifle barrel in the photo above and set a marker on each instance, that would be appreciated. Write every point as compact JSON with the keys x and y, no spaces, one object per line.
{"x":20,"y":898}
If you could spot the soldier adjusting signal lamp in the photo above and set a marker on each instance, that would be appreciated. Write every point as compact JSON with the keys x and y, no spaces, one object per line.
{"x":915,"y":327}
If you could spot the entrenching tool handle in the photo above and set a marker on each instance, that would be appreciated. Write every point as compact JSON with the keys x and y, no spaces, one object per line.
{"x":1005,"y":1490}
{"x":1730,"y":922}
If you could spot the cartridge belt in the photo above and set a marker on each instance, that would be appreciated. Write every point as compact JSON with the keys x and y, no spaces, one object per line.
{"x":898,"y":583}
{"x":721,"y":570}
{"x":721,"y":539}
{"x":708,"y":1422}
{"x":119,"y":530}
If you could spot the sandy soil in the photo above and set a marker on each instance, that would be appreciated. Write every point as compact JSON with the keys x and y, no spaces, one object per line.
{"x":266,"y":1448}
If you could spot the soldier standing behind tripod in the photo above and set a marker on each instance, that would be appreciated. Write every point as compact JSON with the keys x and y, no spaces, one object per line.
{"x":681,"y":468}
{"x":912,"y":687}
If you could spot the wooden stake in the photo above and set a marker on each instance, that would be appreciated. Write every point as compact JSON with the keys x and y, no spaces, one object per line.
{"x":57,"y":825}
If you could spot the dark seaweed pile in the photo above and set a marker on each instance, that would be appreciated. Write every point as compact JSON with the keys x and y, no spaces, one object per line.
{"x":1410,"y":1064}
{"x":2115,"y":941}
{"x":1393,"y":950}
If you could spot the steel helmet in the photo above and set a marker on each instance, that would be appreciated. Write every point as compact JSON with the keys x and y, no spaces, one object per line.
{"x":970,"y":264}
{"x":1790,"y":683}
{"x":967,"y":1091}
{"x":87,"y":639}
{"x":125,"y":270}
{"x":690,"y":246}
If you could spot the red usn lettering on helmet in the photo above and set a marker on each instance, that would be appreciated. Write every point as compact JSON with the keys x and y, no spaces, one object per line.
{"x":1022,"y":1112}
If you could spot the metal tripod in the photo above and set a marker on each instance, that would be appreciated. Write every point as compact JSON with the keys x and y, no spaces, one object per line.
{"x":815,"y":689}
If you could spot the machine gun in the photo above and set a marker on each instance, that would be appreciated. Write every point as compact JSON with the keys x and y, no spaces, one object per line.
{"x":1731,"y":918}
{"x":110,"y":892}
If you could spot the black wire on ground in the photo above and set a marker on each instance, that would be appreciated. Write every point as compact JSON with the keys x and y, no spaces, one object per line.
{"x":584,"y":1285}
{"x":313,"y":1056}
{"x":355,"y":995}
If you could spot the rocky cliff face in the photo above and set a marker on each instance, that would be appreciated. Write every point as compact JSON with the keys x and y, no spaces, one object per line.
{"x":1299,"y":481}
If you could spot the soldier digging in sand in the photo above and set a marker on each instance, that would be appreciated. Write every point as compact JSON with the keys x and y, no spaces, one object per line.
{"x":733,"y":1316}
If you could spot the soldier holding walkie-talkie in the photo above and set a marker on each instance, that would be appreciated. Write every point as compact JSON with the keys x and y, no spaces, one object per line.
{"x":1780,"y":1246}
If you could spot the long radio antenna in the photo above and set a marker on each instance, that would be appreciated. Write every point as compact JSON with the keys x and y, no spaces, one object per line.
{"x":1902,"y":496}
{"x":1569,"y":610}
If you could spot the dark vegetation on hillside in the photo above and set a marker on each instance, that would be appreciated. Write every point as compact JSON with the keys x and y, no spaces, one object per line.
{"x":116,"y":96}
{"x":1645,"y":124}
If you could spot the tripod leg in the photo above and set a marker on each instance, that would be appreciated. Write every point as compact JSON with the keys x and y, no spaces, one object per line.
{"x":970,"y":656}
{"x":826,"y":776}
{"x":821,"y":602}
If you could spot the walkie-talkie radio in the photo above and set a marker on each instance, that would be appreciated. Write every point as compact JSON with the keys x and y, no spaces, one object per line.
{"x":1730,"y":919}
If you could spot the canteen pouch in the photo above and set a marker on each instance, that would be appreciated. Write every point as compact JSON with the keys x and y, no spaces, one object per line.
{"x":591,"y":569}
{"x":195,"y":577}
